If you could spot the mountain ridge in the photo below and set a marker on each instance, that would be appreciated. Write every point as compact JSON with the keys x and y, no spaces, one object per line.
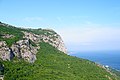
{"x":28,"y":45}
{"x":30,"y":56}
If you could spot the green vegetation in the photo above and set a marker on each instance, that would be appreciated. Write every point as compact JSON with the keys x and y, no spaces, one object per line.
{"x":52,"y":64}
{"x":12,"y":31}
{"x":42,"y":31}
{"x":4,"y":29}
{"x":32,"y":43}
{"x":116,"y":73}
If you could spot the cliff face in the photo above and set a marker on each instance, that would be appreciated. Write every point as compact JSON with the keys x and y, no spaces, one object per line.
{"x":28,"y":46}
{"x":23,"y":49}
{"x":53,"y":39}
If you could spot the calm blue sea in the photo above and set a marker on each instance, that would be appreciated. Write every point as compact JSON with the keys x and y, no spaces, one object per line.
{"x":110,"y":58}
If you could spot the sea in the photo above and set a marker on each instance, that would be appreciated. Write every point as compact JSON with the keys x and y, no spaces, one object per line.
{"x":106,"y":58}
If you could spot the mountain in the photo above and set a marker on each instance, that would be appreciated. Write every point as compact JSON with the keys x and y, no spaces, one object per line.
{"x":40,"y":54}
{"x":24,"y":43}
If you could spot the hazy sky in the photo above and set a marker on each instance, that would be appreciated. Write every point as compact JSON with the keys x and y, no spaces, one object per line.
{"x":83,"y":24}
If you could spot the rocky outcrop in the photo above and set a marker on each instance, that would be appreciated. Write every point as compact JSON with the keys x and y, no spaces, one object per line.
{"x":53,"y":39}
{"x":5,"y":51}
{"x":6,"y":36}
{"x":28,"y":35}
{"x":21,"y":49}
{"x":25,"y":48}
{"x":56,"y":41}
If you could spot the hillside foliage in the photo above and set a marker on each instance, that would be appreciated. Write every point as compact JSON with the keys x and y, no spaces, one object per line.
{"x":12,"y":31}
{"x":52,"y":64}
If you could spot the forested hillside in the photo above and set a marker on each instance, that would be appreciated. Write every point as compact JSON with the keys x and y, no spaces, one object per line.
{"x":39,"y":54}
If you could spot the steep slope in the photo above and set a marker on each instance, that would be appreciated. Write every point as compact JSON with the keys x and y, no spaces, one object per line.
{"x":52,"y":64}
{"x":39,"y":54}
{"x":24,"y":43}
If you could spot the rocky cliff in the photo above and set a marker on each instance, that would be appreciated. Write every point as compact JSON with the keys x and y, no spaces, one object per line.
{"x":27,"y":46}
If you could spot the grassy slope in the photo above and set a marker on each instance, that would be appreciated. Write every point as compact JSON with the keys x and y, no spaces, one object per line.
{"x":52,"y":64}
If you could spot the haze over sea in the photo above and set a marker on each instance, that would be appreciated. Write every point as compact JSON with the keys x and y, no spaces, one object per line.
{"x":110,"y":58}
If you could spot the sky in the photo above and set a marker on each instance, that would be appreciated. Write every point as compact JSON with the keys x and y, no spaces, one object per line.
{"x":84,"y":25}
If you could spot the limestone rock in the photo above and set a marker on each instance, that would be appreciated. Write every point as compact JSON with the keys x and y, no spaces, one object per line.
{"x":56,"y":41}
{"x":7,"y":36}
{"x":23,"y":49}
{"x":4,"y":51}
{"x":31,"y":36}
{"x":53,"y":39}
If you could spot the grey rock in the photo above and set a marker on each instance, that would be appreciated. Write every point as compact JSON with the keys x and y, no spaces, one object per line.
{"x":24,"y":49}
{"x":4,"y":51}
{"x":7,"y":36}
